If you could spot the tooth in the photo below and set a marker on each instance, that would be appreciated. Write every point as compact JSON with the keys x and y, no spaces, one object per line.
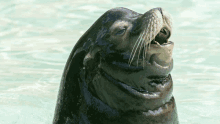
{"x":157,"y":42}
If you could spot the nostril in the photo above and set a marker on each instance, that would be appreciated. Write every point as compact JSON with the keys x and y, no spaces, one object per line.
{"x":160,"y":9}
{"x":164,"y":31}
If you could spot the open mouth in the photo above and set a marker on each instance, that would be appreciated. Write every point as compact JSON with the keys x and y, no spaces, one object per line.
{"x":162,"y":37}
{"x":160,"y":40}
{"x":160,"y":50}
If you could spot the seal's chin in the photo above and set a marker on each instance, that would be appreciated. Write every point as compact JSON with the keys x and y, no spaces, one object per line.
{"x":160,"y":53}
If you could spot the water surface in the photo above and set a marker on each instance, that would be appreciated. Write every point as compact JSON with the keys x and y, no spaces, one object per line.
{"x":37,"y":36}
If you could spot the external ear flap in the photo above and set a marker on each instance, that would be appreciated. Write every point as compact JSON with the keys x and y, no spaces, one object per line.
{"x":91,"y":60}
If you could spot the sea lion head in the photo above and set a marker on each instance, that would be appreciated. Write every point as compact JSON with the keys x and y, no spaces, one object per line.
{"x":131,"y":48}
{"x":134,"y":39}
{"x":143,"y":36}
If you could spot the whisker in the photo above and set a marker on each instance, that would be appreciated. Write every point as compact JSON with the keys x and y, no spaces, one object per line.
{"x":152,"y":34}
{"x":144,"y":53}
{"x":146,"y":44}
{"x":136,"y":44}
{"x":142,"y":42}
{"x":134,"y":48}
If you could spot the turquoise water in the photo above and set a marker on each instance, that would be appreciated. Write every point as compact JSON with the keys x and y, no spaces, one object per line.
{"x":36,"y":38}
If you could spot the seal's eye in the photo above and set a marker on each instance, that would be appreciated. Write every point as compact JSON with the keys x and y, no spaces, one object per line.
{"x":120,"y":31}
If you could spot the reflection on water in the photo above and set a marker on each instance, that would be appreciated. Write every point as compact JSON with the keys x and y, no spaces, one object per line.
{"x":36,"y":38}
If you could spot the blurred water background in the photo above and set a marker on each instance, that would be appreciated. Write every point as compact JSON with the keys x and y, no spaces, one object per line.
{"x":37,"y":36}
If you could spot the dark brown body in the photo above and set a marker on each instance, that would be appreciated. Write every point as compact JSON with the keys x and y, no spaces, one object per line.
{"x":100,"y":87}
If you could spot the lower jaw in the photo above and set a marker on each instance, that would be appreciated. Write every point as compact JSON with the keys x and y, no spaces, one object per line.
{"x":162,"y":62}
{"x":159,"y":54}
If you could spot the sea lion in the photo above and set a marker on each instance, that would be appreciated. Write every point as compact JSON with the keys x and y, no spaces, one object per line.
{"x":119,"y":72}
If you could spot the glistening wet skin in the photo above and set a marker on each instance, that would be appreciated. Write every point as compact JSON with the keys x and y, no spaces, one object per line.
{"x":124,"y":60}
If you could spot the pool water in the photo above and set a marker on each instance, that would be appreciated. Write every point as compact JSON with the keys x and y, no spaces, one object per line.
{"x":37,"y":36}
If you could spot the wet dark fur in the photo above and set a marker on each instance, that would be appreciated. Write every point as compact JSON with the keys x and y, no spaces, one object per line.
{"x":78,"y":102}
